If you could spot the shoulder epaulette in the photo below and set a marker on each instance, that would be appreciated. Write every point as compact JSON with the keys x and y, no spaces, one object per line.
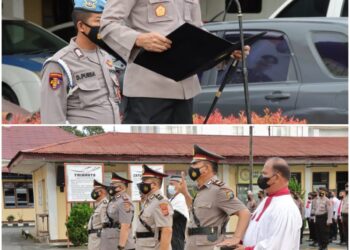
{"x":159,"y":197}
{"x":218,"y":183}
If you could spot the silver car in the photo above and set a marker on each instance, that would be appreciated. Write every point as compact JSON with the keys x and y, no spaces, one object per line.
{"x":299,"y":66}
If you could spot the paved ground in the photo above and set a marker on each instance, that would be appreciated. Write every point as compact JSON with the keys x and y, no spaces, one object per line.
{"x":13,"y":240}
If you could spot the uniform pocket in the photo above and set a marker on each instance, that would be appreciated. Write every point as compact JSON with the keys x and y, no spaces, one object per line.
{"x":189,"y":5}
{"x":160,"y":11}
{"x":90,"y":91}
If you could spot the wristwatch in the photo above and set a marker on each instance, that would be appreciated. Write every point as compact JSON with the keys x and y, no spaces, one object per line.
{"x":121,"y":248}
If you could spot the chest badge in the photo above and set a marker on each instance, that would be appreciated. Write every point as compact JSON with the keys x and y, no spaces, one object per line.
{"x":160,"y":11}
{"x":109,"y":63}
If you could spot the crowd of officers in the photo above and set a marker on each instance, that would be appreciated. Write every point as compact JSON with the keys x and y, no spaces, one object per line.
{"x":324,"y":213}
{"x":199,"y":222}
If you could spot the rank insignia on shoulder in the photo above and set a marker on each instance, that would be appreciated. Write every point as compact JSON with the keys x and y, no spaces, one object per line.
{"x":159,"y":197}
{"x":125,"y":197}
{"x":127,"y":206}
{"x":55,"y":80}
{"x":164,"y":208}
{"x":160,"y":11}
{"x":218,"y":183}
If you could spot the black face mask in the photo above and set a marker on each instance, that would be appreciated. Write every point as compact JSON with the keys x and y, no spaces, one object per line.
{"x":144,"y":188}
{"x":112,"y":191}
{"x":341,"y":197}
{"x":262,"y":182}
{"x":95,"y":195}
{"x":194,"y":173}
{"x":94,"y":36}
{"x":309,"y":198}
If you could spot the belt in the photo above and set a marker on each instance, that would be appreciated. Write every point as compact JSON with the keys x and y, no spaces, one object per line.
{"x":111,"y":225}
{"x":321,"y":215}
{"x":144,"y":235}
{"x":202,"y":230}
{"x":93,"y":231}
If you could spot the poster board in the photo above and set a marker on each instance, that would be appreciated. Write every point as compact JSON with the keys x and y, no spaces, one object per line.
{"x":79,"y":179}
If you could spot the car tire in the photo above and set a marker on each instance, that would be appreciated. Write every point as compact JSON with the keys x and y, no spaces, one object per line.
{"x":8,"y":94}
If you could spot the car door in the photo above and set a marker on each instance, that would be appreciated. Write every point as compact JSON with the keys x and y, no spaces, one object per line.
{"x":271,"y":74}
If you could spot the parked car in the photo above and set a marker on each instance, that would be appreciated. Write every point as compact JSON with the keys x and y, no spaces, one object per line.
{"x":65,"y":31}
{"x":25,"y":47}
{"x":312,"y":8}
{"x":299,"y":66}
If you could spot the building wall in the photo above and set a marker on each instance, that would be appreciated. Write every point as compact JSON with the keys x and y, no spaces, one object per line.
{"x":33,"y":11}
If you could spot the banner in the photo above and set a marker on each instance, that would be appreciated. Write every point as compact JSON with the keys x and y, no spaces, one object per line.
{"x":136,"y":173}
{"x":80,"y":180}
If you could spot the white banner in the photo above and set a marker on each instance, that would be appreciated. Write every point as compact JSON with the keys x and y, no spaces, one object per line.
{"x":136,"y":173}
{"x":80,"y":180}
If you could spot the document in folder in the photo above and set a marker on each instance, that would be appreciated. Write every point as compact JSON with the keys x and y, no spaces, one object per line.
{"x":193,"y":50}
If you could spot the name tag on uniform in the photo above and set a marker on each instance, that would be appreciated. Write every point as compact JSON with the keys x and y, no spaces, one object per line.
{"x":85,"y":76}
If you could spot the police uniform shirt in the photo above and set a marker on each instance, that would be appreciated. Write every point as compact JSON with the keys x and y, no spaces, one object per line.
{"x":157,"y":213}
{"x":87,"y":94}
{"x":213,"y":206}
{"x":120,"y":210}
{"x":324,"y":206}
{"x":122,"y":21}
{"x":345,"y":206}
{"x":95,"y":222}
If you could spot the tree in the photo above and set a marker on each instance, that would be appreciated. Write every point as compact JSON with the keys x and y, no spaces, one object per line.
{"x":86,"y":131}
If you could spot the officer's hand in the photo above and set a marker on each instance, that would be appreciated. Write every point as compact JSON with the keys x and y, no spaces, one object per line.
{"x":153,"y":42}
{"x":230,"y":242}
{"x":237,"y":54}
{"x":183,"y":184}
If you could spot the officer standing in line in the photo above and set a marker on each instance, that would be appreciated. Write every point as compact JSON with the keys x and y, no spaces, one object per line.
{"x":345,"y":213}
{"x":324,"y":214}
{"x":99,"y":194}
{"x":154,"y":225}
{"x":313,"y":219}
{"x":129,"y":26}
{"x":79,"y":83}
{"x":211,"y":208}
{"x":117,"y":232}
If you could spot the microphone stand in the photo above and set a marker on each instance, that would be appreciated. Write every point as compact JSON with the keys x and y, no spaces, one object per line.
{"x":233,"y":66}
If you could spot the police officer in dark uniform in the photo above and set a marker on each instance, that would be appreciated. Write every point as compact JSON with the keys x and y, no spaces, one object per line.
{"x":117,"y":232}
{"x":212,"y":206}
{"x":99,"y":194}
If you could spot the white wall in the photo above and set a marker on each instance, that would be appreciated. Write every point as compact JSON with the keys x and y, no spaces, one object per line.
{"x":13,"y":8}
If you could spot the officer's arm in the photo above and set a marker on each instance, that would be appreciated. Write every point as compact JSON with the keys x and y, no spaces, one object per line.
{"x":330,"y":212}
{"x":124,"y":234}
{"x":114,"y":32}
{"x":165,"y":239}
{"x":243,"y":222}
{"x":53,"y":108}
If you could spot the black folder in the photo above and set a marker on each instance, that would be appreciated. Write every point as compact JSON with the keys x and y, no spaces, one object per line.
{"x":193,"y":50}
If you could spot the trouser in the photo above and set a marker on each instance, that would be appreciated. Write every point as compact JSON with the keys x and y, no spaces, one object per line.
{"x":345,"y":226}
{"x":322,"y":230}
{"x":140,"y":110}
{"x":341,"y":231}
{"x":302,"y":231}
{"x":311,"y":224}
{"x":333,"y":230}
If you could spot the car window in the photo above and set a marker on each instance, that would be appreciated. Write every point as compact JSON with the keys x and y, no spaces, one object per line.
{"x":24,"y":37}
{"x":345,"y":9}
{"x":332,"y":48}
{"x":309,"y":8}
{"x":66,"y":33}
{"x":269,"y":61}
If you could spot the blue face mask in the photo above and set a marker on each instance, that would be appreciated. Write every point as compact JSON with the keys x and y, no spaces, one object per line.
{"x":171,"y":190}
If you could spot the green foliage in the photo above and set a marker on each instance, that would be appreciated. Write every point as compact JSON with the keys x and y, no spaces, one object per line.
{"x":77,"y":224}
{"x":295,"y":186}
{"x":10,"y":218}
{"x":86,"y":131}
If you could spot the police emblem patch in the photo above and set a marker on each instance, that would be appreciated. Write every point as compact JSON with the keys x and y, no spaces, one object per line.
{"x":160,"y":11}
{"x":164,"y":208}
{"x":229,"y":195}
{"x":109,"y":63}
{"x":55,"y":80}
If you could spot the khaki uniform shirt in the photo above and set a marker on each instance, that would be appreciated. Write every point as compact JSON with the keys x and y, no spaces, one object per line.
{"x":122,"y":21}
{"x":324,"y":206}
{"x":213,"y":206}
{"x":345,"y":207}
{"x":119,"y":209}
{"x":95,"y":222}
{"x":94,"y":96}
{"x":157,"y":213}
